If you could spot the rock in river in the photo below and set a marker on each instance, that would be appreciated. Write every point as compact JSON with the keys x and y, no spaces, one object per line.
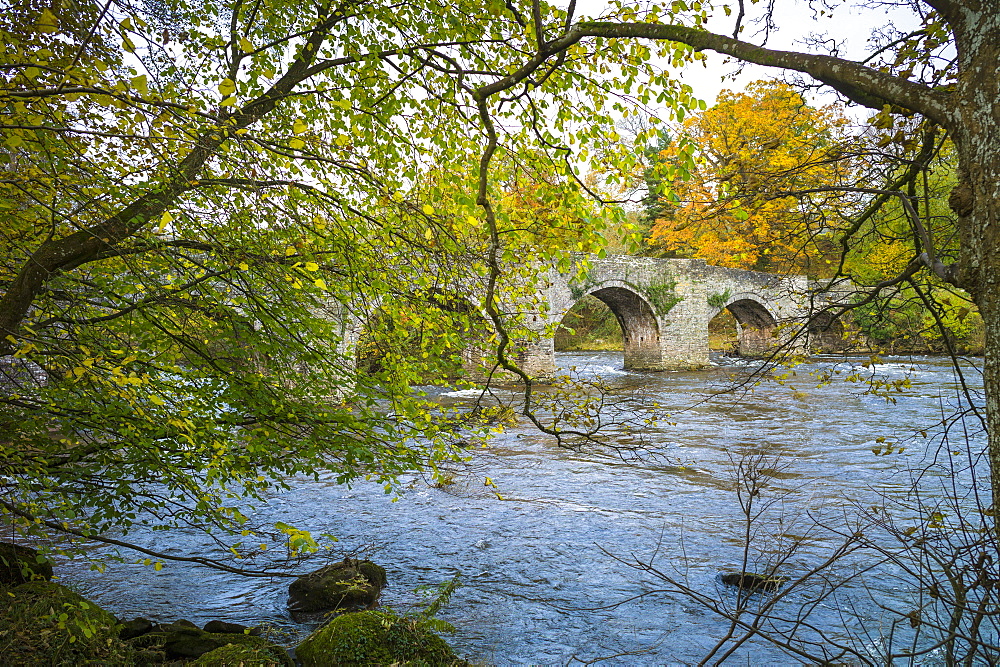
{"x":749,"y":581}
{"x":375,"y":638}
{"x":347,"y":584}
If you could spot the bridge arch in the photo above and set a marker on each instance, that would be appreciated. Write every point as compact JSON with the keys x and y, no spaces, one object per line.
{"x":825,"y":333}
{"x":756,"y":323}
{"x":636,"y":318}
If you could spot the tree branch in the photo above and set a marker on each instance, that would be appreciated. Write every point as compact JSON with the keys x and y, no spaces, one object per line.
{"x":197,"y":560}
{"x":861,"y":84}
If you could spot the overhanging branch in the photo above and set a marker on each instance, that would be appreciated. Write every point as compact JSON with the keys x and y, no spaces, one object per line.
{"x":863,"y":85}
{"x":197,"y":560}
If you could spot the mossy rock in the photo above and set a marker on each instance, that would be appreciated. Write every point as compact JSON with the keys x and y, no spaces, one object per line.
{"x":181,"y":643}
{"x":225,"y":627}
{"x":135,"y":628}
{"x":242,"y":655}
{"x":19,"y":564}
{"x":44,"y":623}
{"x":374,"y":638}
{"x":348,"y":584}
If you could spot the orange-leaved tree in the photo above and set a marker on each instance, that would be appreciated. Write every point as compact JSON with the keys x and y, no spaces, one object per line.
{"x":755,"y":199}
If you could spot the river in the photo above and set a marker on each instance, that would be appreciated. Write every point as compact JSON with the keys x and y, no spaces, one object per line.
{"x":536,"y":553}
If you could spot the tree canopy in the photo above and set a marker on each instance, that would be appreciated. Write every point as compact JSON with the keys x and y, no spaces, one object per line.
{"x":754,"y":150}
{"x":205,"y":206}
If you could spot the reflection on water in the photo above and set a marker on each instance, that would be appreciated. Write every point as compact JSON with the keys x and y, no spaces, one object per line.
{"x":535,"y":561}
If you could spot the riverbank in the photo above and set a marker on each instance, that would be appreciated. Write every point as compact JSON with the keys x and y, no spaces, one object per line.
{"x":43,"y":622}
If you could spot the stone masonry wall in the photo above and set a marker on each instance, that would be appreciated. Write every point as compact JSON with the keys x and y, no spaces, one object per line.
{"x":672,"y":301}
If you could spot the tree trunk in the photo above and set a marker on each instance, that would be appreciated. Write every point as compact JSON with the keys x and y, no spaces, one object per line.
{"x":976,"y":198}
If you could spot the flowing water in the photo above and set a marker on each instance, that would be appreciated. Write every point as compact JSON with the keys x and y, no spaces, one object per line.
{"x":539,"y":554}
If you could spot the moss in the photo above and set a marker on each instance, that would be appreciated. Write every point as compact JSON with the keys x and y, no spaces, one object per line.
{"x":663,"y":297}
{"x":240,"y":655}
{"x":375,"y":638}
{"x":372,"y":572}
{"x":44,"y":623}
{"x":719,"y":300}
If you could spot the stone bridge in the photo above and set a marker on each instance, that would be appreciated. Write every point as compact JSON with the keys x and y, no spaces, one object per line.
{"x":664,"y":306}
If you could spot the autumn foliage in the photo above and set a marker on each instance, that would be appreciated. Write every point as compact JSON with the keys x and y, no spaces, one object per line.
{"x":751,"y":200}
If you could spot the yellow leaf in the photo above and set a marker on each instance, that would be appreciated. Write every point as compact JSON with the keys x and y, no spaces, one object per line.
{"x":155,"y":400}
{"x":428,"y":209}
{"x":320,"y":283}
{"x":227,"y":87}
{"x":428,"y":234}
{"x":245,"y":45}
{"x":299,"y":126}
{"x":243,"y":266}
{"x":47,"y":22}
{"x":141,"y":84}
{"x":228,"y":102}
{"x":296,"y":143}
{"x":342,"y":140}
{"x":158,"y":566}
{"x":289,"y":251}
{"x":164,"y":221}
{"x":312,"y":266}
